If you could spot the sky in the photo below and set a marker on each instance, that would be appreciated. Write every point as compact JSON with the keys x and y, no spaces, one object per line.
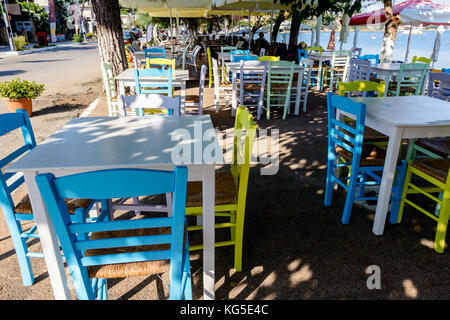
{"x":379,"y":4}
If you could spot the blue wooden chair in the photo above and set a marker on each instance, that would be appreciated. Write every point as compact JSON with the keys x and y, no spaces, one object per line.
{"x":22,"y":211}
{"x":446,"y":70}
{"x":121,"y":248}
{"x":302,"y":53}
{"x":374,"y":58}
{"x":155,"y":52}
{"x":238,"y":52}
{"x":244,"y":58}
{"x":365,"y":162}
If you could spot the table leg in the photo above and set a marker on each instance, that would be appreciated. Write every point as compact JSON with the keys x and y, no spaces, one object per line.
{"x":233,"y":96}
{"x":319,"y":76}
{"x":48,"y":239}
{"x":208,"y":231}
{"x":183,"y":97}
{"x":387,"y":179}
{"x":298,"y":96}
{"x":121,"y":87}
{"x":387,"y":79}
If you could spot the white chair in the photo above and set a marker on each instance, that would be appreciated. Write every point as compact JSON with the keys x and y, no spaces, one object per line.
{"x":262,"y":52}
{"x":252,"y":83}
{"x":128,"y":105}
{"x":221,"y":88}
{"x":191,"y":60}
{"x":359,"y":70}
{"x":110,"y":89}
{"x":338,"y":70}
{"x":305,"y":78}
{"x":197,"y":100}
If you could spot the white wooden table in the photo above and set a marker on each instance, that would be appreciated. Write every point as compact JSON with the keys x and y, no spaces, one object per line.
{"x":400,"y":118}
{"x":326,"y":55}
{"x":179,"y":78}
{"x":224,"y":58}
{"x":96,"y":143}
{"x":387,"y":70}
{"x":235,"y":68}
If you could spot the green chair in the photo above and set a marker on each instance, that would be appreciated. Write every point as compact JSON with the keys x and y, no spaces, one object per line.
{"x":231,"y":189}
{"x":437,"y":173}
{"x":316,"y":49}
{"x":279,"y":86}
{"x":409,"y":80}
{"x":110,"y":89}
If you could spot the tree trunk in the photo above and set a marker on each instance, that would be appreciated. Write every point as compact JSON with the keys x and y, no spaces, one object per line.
{"x":295,"y":28}
{"x":390,"y":32}
{"x":110,"y":37}
{"x":276,"y":26}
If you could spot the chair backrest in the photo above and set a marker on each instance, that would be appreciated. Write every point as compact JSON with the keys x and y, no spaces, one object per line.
{"x":155,"y":52}
{"x":215,"y":74}
{"x":201,"y":88}
{"x":356,"y":52}
{"x":341,"y":134}
{"x":239,"y":58}
{"x":142,"y":102}
{"x":374,"y":57}
{"x":439,"y":85}
{"x":9,"y":182}
{"x":359,"y":69}
{"x":262,"y":52}
{"x":183,"y":57}
{"x":308,"y":65}
{"x":110,"y":86}
{"x":446,"y":70}
{"x":256,"y":76}
{"x":238,"y":52}
{"x":341,"y":58}
{"x":281,"y":75}
{"x":163,"y":87}
{"x":314,"y":49}
{"x":163,"y":62}
{"x":109,"y":184}
{"x":411,"y":75}
{"x":242,"y":152}
{"x":268,"y":58}
{"x":227,"y":48}
{"x":421,"y":59}
{"x":361,"y":87}
{"x":302,"y":53}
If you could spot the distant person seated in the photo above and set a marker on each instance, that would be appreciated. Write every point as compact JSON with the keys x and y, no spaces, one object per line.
{"x":242,"y":43}
{"x":261,"y":42}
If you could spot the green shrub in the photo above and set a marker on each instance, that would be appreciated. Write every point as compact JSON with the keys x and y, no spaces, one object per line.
{"x":19,"y":43}
{"x":78,"y":38}
{"x":89,"y":35}
{"x":18,"y":88}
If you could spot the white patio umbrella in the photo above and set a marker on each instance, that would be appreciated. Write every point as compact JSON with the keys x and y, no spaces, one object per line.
{"x":355,"y":38}
{"x":318,"y":27}
{"x":437,"y":45}
{"x":343,"y":36}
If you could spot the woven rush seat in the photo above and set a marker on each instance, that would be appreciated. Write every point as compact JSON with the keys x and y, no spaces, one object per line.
{"x":226,"y":190}
{"x":192,"y":98}
{"x":370,"y":134}
{"x":24,"y":205}
{"x":393,"y":87}
{"x":436,"y":168}
{"x":371,"y":155}
{"x":439,"y":146}
{"x":279,"y":86}
{"x":339,"y":69}
{"x":129,"y":269}
{"x":226,"y":84}
{"x":252,"y":86}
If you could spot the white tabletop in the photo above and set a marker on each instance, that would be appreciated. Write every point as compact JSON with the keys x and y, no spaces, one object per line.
{"x":410,"y":111}
{"x":128,"y":75}
{"x":93,"y":143}
{"x":387,"y":66}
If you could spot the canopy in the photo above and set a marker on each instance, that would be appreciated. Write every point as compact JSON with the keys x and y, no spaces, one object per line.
{"x":253,"y":5}
{"x":425,"y":12}
{"x":160,"y":4}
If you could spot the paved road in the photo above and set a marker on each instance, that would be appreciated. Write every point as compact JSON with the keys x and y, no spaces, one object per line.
{"x":62,"y":70}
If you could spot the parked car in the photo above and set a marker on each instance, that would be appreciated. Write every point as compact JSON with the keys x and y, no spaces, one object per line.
{"x":127,"y":38}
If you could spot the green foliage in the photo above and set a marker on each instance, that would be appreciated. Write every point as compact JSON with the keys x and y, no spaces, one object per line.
{"x":18,"y":88}
{"x":143,"y":20}
{"x":78,"y":38}
{"x":38,"y":14}
{"x":19,"y":43}
{"x":305,"y":9}
{"x":89,"y":35}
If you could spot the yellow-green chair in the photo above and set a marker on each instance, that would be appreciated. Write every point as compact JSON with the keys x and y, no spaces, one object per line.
{"x":268,"y":58}
{"x":310,"y":49}
{"x":421,"y":59}
{"x":231,"y":189}
{"x":160,"y":62}
{"x":437,"y":173}
{"x":209,"y":67}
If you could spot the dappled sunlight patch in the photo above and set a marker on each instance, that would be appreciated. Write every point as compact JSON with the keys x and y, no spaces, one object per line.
{"x":303,"y":274}
{"x":427,"y":243}
{"x":410,"y":290}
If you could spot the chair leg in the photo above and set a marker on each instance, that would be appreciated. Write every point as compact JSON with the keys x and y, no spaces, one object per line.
{"x":238,"y":238}
{"x":350,"y":196}
{"x":404,"y":194}
{"x":439,"y":240}
{"x":329,"y":182}
{"x":136,"y":201}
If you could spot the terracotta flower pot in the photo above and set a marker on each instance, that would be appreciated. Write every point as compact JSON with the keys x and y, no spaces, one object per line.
{"x":23,"y":103}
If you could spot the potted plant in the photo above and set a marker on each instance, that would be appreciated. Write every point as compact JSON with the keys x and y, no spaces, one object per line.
{"x":18,"y":94}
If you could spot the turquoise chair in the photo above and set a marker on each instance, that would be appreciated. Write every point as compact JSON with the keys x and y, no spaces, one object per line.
{"x":365,"y":162}
{"x":238,"y":52}
{"x":409,"y":80}
{"x":155,"y":52}
{"x":374,"y":58}
{"x":302,"y":53}
{"x":122,"y":247}
{"x":446,"y":70}
{"x":244,"y":58}
{"x":22,"y":211}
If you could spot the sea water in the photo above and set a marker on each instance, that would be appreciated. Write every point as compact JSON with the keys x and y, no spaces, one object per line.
{"x":421,"y":45}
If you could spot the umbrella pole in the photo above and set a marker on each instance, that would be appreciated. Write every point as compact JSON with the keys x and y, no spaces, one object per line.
{"x":249,"y":27}
{"x":271,"y":25}
{"x":171,"y":30}
{"x":407,"y":46}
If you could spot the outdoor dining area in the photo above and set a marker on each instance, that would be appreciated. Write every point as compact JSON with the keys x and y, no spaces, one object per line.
{"x":214,"y":171}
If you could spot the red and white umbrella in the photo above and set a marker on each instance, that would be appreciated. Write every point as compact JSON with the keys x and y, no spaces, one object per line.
{"x":425,"y":12}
